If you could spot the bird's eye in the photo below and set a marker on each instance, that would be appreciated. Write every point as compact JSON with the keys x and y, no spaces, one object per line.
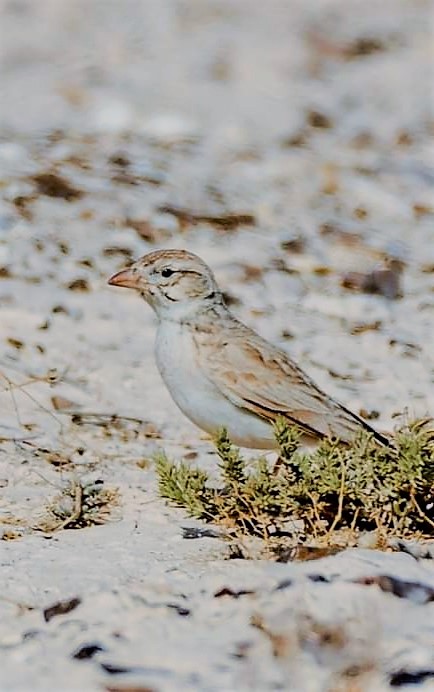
{"x":166,"y":272}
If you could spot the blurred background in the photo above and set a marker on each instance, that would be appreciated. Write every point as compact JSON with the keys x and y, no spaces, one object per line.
{"x":217,"y":66}
{"x":286,"y":142}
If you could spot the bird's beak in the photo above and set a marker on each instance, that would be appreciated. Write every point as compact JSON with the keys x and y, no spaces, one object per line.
{"x":125,"y":278}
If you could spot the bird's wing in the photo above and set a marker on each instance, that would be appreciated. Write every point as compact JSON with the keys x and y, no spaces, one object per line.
{"x":260,"y":378}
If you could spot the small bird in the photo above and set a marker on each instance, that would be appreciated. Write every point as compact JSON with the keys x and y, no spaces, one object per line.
{"x":221,"y":373}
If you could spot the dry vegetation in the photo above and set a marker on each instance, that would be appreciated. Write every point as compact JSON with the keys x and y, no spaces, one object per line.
{"x":82,"y":500}
{"x":325,"y":498}
{"x":80,"y":505}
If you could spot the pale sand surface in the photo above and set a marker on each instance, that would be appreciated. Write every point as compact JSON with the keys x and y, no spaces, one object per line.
{"x":202,"y":98}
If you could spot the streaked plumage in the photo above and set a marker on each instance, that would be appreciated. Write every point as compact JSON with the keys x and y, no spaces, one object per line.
{"x":219,"y":371}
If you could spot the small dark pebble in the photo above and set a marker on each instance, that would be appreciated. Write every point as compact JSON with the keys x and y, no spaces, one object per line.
{"x":413,"y":591}
{"x":15,"y":343}
{"x":119,"y":160}
{"x":318,"y":120}
{"x":113,"y":251}
{"x":61,"y":608}
{"x":408,"y":349}
{"x":189,"y":456}
{"x":30,"y":634}
{"x":184,"y":612}
{"x":285,"y":584}
{"x":360,"y":213}
{"x":22,"y":206}
{"x":87,"y":651}
{"x":125,"y":178}
{"x":191,"y":532}
{"x":404,"y":677}
{"x":279,"y":265}
{"x":420,"y":209}
{"x":385,"y":281}
{"x":298,"y":139}
{"x":53,"y":185}
{"x":85,"y":262}
{"x":116,"y":670}
{"x":226,"y":220}
{"x":226,"y":591}
{"x":363,"y":46}
{"x":296,"y":244}
{"x":318,"y":578}
{"x":404,"y":138}
{"x":363,"y":327}
{"x":59,"y":309}
{"x":81,"y":285}
{"x":252,"y":272}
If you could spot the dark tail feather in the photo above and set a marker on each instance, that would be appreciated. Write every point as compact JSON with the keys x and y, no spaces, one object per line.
{"x":379,"y":437}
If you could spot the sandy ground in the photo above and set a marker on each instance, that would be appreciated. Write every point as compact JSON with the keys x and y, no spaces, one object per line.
{"x":314,"y":118}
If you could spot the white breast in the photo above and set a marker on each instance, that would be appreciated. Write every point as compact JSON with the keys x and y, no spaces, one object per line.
{"x":197,"y":397}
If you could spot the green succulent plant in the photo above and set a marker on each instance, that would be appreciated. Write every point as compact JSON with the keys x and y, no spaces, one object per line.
{"x":362,"y":487}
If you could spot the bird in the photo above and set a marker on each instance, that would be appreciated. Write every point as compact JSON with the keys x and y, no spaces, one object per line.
{"x":222,"y":374}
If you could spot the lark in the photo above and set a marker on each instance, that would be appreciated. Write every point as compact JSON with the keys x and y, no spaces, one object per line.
{"x":221,"y":373}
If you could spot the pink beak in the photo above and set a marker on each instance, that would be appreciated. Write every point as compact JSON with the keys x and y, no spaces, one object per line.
{"x":125,"y":278}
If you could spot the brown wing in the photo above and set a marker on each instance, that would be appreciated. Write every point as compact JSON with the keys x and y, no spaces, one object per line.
{"x":262,"y":379}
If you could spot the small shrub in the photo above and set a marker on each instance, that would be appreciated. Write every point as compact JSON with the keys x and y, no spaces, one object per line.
{"x":336,"y":488}
{"x":80,"y":505}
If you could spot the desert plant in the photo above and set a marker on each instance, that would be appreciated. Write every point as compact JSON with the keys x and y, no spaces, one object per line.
{"x":337,"y":487}
{"x":80,"y":505}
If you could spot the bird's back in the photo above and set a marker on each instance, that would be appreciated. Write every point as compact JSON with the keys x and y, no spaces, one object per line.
{"x":261,"y":378}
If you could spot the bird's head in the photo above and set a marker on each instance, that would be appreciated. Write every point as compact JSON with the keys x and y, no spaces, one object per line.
{"x":176,"y":283}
